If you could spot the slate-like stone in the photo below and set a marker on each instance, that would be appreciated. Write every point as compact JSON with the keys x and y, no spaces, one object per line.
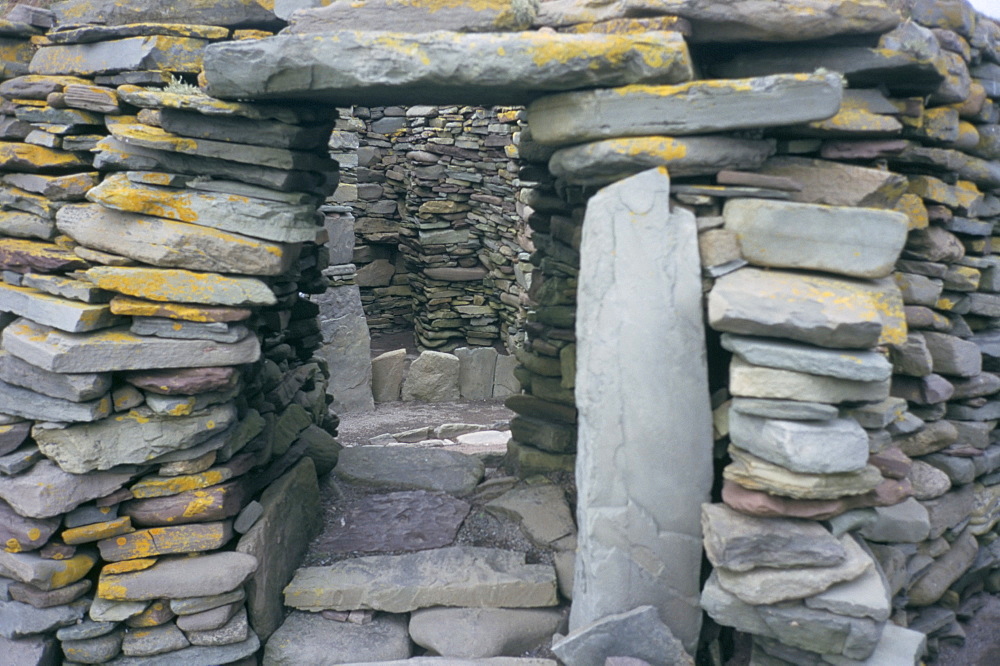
{"x":176,"y":54}
{"x":229,"y":13}
{"x":865,"y":366}
{"x":183,"y":381}
{"x":608,"y":160}
{"x":541,"y":510}
{"x":170,"y":244}
{"x":415,"y":468}
{"x":196,"y":605}
{"x":278,"y":540}
{"x":784,"y":409}
{"x":473,"y":633}
{"x":862,"y":243}
{"x":180,"y":286}
{"x":257,"y":218}
{"x":150,"y":641}
{"x":929,"y":587}
{"x":117,"y":349}
{"x":18,"y":620}
{"x":29,"y":594}
{"x":400,"y":521}
{"x":455,"y":576}
{"x":19,"y":534}
{"x":235,"y":631}
{"x":928,"y":481}
{"x":25,"y":403}
{"x":812,"y":309}
{"x":312,"y":16}
{"x":33,"y":159}
{"x":756,"y":474}
{"x":45,"y":490}
{"x":638,"y":633}
{"x":443,"y":70}
{"x":699,"y":107}
{"x":74,"y":387}
{"x":953,"y":355}
{"x":307,"y":638}
{"x":837,"y":183}
{"x":132,"y":438}
{"x":261,"y":132}
{"x":45,"y":574}
{"x":621,"y":416}
{"x":906,"y":522}
{"x":387,"y":375}
{"x":180,"y":577}
{"x":813,"y":447}
{"x":476,"y":372}
{"x":770,"y":586}
{"x":170,"y":540}
{"x":738,"y":542}
{"x":752,"y":381}
{"x":66,"y":315}
{"x":347,"y":349}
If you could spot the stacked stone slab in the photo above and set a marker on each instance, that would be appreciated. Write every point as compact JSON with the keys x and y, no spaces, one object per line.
{"x":159,"y":374}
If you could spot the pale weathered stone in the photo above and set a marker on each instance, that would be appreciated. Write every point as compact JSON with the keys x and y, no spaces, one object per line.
{"x":45,"y":574}
{"x":483,"y":632}
{"x":163,"y":327}
{"x":177,"y":54}
{"x":181,"y":286}
{"x":836,"y":183}
{"x":45,"y":490}
{"x":347,"y":349}
{"x":406,"y":467}
{"x":310,"y":638}
{"x":541,"y":510}
{"x":953,"y":355}
{"x":864,"y":366}
{"x":608,"y":160}
{"x":292,"y":516}
{"x":929,"y":588}
{"x":637,"y":633}
{"x":739,"y":542}
{"x":76,"y":387}
{"x":476,"y":372}
{"x":175,"y":578}
{"x":814,"y":447}
{"x":228,"y":13}
{"x":770,"y":586}
{"x":906,"y":522}
{"x":387,"y":375}
{"x":66,"y":315}
{"x":754,"y":473}
{"x":456,"y":576}
{"x":308,"y":16}
{"x":117,"y":349}
{"x":817,"y":310}
{"x":448,"y":65}
{"x":746,"y":380}
{"x":433,"y":377}
{"x":699,"y":107}
{"x":171,"y":244}
{"x":863,"y":243}
{"x":623,"y":370}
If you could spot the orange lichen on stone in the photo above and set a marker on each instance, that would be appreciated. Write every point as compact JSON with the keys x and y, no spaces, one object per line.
{"x":127,"y":566}
{"x":135,"y":307}
{"x":97,"y":531}
{"x":73,"y":570}
{"x":162,"y":486}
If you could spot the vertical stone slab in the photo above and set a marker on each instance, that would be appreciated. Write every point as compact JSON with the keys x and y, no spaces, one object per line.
{"x":347,"y":348}
{"x":644,"y":460}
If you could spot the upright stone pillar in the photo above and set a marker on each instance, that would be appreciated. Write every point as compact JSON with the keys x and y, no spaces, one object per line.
{"x":644,"y":462}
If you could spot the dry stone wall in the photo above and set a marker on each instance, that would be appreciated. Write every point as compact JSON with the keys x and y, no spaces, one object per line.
{"x":160,"y":393}
{"x":440,"y":246}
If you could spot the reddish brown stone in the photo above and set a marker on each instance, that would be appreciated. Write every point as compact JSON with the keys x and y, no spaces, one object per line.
{"x":893,"y":463}
{"x":24,"y":256}
{"x":759,"y":503}
{"x":184,"y":381}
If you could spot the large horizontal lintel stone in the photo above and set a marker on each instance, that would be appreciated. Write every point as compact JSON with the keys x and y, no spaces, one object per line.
{"x":171,"y":244}
{"x":177,"y":54}
{"x":269,"y":220}
{"x":738,"y":20}
{"x":311,"y":16}
{"x":604,"y":161}
{"x":697,"y":107}
{"x":856,"y":242}
{"x":225,"y":13}
{"x":181,"y":286}
{"x":117,"y":349}
{"x":439,"y":67}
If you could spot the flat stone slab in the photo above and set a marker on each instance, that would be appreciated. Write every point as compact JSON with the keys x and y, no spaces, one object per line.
{"x":135,"y":437}
{"x":66,"y":315}
{"x":406,"y":467}
{"x":180,"y":577}
{"x":180,"y":286}
{"x":837,"y":183}
{"x":698,"y":107}
{"x":755,"y":381}
{"x":46,"y":490}
{"x":310,"y":638}
{"x":813,"y":447}
{"x":259,"y":218}
{"x":172,"y":244}
{"x":818,"y":310}
{"x":638,"y":633}
{"x":402,"y":521}
{"x":755,"y":473}
{"x":856,"y":242}
{"x":17,"y":401}
{"x":739,"y":542}
{"x":118,"y":349}
{"x":483,"y":632}
{"x":608,"y":160}
{"x":456,"y":576}
{"x":226,"y":13}
{"x":196,"y":655}
{"x":440,"y":67}
{"x":18,"y":620}
{"x":541,"y":510}
{"x":176,"y":54}
{"x":861,"y":366}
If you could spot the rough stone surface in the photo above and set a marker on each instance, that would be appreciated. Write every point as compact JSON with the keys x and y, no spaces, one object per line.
{"x":625,"y":363}
{"x":836,"y":183}
{"x":862,"y":243}
{"x":757,"y":474}
{"x":387,"y":375}
{"x":752,"y":381}
{"x":449,"y":67}
{"x":699,"y":107}
{"x":456,"y":576}
{"x":229,"y":13}
{"x":278,"y":540}
{"x":180,"y":286}
{"x":347,"y":349}
{"x":477,"y":368}
{"x":814,"y":447}
{"x":76,"y":387}
{"x":433,"y":377}
{"x":483,"y":632}
{"x":638,"y":633}
{"x":309,"y":638}
{"x":404,"y":467}
{"x":46,"y":490}
{"x":176,"y":578}
{"x":862,"y":366}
